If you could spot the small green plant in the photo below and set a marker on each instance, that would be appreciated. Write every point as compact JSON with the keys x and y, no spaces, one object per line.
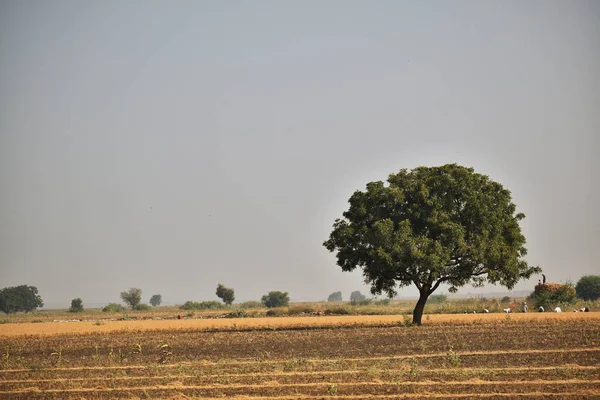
{"x":332,"y":389}
{"x":407,"y":320}
{"x":113,"y":308}
{"x":438,"y":298}
{"x":164,"y":353}
{"x":142,"y":307}
{"x":453,"y":358}
{"x":98,"y":323}
{"x":6,"y":357}
{"x":58,"y":355}
{"x":204,"y":305}
{"x":237,"y":314}
{"x":337,"y":311}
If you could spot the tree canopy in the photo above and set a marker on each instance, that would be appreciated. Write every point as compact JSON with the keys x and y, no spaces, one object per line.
{"x":357,"y":296}
{"x":431,"y":226}
{"x":155,"y":300}
{"x":588,"y":287}
{"x":335,"y":296}
{"x":20,"y":298}
{"x":132,"y":297}
{"x":226,"y":294}
{"x":76,"y":305}
{"x":275,"y":299}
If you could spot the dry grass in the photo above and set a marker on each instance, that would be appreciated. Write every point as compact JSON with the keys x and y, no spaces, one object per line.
{"x":59,"y":328}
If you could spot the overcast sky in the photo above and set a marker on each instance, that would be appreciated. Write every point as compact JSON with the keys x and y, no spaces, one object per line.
{"x":174,"y":145}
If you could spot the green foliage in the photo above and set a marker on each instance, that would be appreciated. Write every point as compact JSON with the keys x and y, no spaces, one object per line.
{"x":357,"y":296}
{"x":113,"y":308}
{"x":237,"y":314}
{"x":588,"y":287}
{"x":226,"y":294}
{"x":204,"y":305}
{"x":142,"y":307}
{"x":251,"y":304}
{"x":275,"y":299}
{"x":132,"y":297}
{"x":382,"y":302}
{"x":20,"y":298}
{"x":76,"y":305}
{"x":275,"y":312}
{"x":505,"y":299}
{"x":438,"y":298}
{"x":431,"y":226}
{"x":302,"y":309}
{"x":548,"y":294}
{"x":337,"y":311}
{"x":552,"y":294}
{"x":335,"y":296}
{"x":155,"y":300}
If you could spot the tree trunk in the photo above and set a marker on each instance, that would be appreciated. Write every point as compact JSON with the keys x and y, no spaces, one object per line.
{"x":418,"y":312}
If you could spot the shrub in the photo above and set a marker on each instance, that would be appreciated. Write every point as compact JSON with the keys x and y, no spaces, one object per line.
{"x":335,"y":296}
{"x":547,"y":294}
{"x":132,"y":297}
{"x":204,"y":305}
{"x":142,"y":307}
{"x":382,"y":302}
{"x":76,"y":305}
{"x":296,"y":310}
{"x":438,"y":298}
{"x":337,"y":311}
{"x":237,"y":314}
{"x":505,"y":299}
{"x":588,"y":287}
{"x":252,"y":304}
{"x":364,"y":302}
{"x":276,"y":299}
{"x":113,"y":308}
{"x":275,"y":312}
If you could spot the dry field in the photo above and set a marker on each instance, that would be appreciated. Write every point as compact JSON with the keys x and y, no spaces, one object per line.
{"x":455,"y":356}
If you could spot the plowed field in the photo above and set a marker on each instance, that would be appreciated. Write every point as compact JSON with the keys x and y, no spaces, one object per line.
{"x":489,"y":358}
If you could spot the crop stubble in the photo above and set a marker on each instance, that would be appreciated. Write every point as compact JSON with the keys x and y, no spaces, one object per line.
{"x":451,"y":358}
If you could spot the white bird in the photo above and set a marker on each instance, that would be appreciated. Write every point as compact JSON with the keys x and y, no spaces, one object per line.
{"x":557,"y":309}
{"x":507,"y":310}
{"x":485,"y":310}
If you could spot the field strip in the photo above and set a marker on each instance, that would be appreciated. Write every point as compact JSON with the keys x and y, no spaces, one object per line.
{"x":441,"y":371}
{"x":307,"y":322}
{"x":313,"y":360}
{"x":318,"y":384}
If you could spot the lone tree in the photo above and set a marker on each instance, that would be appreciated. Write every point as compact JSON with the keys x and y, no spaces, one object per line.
{"x":428,"y":226}
{"x":155,"y":300}
{"x":132,"y":297}
{"x":588,"y":287}
{"x":276,"y":299}
{"x":76,"y":305}
{"x":20,"y":298}
{"x":226,"y":294}
{"x":335,"y":296}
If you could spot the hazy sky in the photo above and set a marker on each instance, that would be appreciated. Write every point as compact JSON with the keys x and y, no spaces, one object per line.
{"x":174,"y":145}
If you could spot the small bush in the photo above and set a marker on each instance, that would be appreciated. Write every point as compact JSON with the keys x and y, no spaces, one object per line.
{"x":296,"y":310}
{"x":337,"y":311}
{"x":275,"y":312}
{"x":142,"y":307}
{"x":113,"y":308}
{"x":549,"y":294}
{"x":505,"y":299}
{"x":204,"y":305}
{"x":276,"y":299}
{"x":438,"y":298}
{"x":237,"y":314}
{"x":76,"y":305}
{"x":382,"y":302}
{"x":251,"y":304}
{"x":363,"y":302}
